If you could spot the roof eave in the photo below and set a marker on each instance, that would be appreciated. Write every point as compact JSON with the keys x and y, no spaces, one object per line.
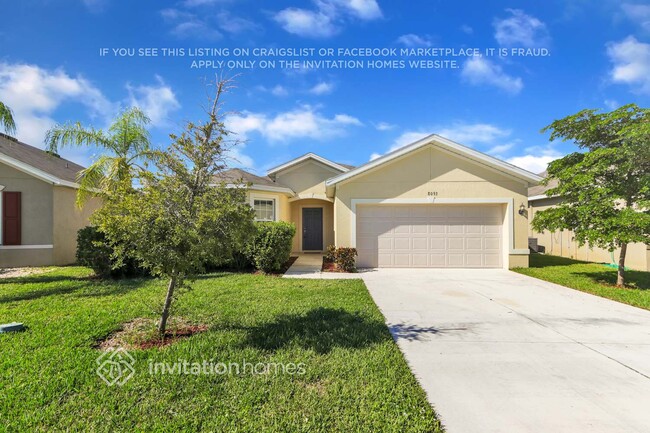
{"x":37,"y":173}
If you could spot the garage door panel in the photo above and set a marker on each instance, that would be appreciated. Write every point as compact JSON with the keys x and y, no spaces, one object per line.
{"x":402,"y":260}
{"x":474,"y":260}
{"x":384,"y":244}
{"x":492,"y":260}
{"x":420,"y":243}
{"x":474,"y":244}
{"x":437,"y":228}
{"x":438,"y":260}
{"x":456,"y":228}
{"x":402,"y":244}
{"x":420,"y":260}
{"x":456,"y":260}
{"x":455,"y":243}
{"x":429,"y":236}
{"x":437,"y":244}
{"x":492,"y":244}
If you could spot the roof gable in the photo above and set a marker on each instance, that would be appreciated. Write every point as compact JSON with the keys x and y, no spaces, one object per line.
{"x":307,"y":156}
{"x":449,"y":146}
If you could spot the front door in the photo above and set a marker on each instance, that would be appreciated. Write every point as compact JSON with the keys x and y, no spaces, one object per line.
{"x":312,"y":229}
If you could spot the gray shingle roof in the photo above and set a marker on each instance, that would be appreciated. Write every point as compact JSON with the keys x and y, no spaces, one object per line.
{"x":541,"y":189}
{"x":37,"y":158}
{"x":237,"y":174}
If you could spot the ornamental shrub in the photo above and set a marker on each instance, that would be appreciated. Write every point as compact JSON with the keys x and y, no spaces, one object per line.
{"x":270,"y":247}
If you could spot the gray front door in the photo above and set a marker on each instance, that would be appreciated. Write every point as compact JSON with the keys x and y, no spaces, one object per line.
{"x":312,"y":229}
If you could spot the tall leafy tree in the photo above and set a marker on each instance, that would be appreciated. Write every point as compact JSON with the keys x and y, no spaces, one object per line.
{"x":605,"y":189}
{"x":7,"y":119}
{"x":180,"y":219}
{"x":124,"y":145}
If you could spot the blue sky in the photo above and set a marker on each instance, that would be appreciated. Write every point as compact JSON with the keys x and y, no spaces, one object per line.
{"x":51,"y":71}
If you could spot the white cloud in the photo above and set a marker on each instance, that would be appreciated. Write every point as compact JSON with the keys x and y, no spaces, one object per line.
{"x":34,"y":94}
{"x":469,"y":134}
{"x":322,"y":88}
{"x":383,"y":126}
{"x":302,"y":122}
{"x":303,"y":22}
{"x":631,"y":63}
{"x":478,"y":70}
{"x":188,"y":25}
{"x":612,"y":104}
{"x":326,"y":19}
{"x":363,"y":9}
{"x":520,"y":30}
{"x":499,"y":149}
{"x":346,"y":119}
{"x":536,"y":161}
{"x":413,"y":40}
{"x":237,"y":158}
{"x":639,"y":13}
{"x":279,"y":90}
{"x":95,"y":5}
{"x":195,"y":3}
{"x":466,"y":29}
{"x":235,"y":25}
{"x":157,"y":101}
{"x":472,"y":134}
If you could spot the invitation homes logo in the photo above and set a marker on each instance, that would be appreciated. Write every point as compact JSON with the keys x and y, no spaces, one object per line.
{"x":117,"y":367}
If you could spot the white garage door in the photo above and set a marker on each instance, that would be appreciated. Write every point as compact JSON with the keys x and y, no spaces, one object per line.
{"x":428,"y":236}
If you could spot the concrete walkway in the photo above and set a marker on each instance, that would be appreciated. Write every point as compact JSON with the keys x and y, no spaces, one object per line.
{"x":308,"y":265}
{"x":501,"y":352}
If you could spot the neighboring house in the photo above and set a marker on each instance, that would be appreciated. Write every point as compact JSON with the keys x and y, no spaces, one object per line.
{"x":433,"y":203}
{"x":562,"y":243}
{"x":40,"y":219}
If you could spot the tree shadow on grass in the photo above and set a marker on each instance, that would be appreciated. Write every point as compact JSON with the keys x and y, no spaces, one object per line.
{"x":544,"y":261}
{"x":633,"y":279}
{"x":320,"y":329}
{"x":80,"y":286}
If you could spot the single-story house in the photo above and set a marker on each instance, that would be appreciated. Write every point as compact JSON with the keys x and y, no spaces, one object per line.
{"x":40,"y":220}
{"x":562,"y":242}
{"x":433,"y":203}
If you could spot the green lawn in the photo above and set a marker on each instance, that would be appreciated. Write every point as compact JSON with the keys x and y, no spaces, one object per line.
{"x":594,"y":278}
{"x":356,"y":379}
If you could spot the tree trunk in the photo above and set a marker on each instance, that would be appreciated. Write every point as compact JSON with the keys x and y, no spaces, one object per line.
{"x":168,"y":303}
{"x":620,"y":280}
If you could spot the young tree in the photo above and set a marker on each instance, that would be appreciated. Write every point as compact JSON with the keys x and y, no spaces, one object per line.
{"x":7,"y":119}
{"x":606,"y":189}
{"x":126,"y":142}
{"x":180,"y":219}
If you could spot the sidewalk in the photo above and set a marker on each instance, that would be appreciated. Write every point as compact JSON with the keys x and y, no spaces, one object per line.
{"x":308,"y":265}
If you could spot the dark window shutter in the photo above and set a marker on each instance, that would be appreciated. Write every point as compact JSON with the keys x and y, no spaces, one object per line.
{"x":11,"y":218}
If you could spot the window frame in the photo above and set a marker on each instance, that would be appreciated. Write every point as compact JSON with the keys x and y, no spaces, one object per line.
{"x":264,"y":197}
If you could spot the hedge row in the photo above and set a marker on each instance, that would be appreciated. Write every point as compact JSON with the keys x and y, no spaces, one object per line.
{"x":268,"y":249}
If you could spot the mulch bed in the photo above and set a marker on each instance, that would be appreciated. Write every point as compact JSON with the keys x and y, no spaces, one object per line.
{"x":143,"y":334}
{"x":331,"y":267}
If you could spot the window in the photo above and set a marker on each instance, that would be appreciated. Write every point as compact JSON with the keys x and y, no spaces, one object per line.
{"x":264,"y":210}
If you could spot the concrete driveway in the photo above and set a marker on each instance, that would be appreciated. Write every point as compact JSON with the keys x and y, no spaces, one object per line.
{"x":501,"y":352}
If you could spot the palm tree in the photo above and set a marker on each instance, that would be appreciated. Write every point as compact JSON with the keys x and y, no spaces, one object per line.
{"x":126,"y":141}
{"x":7,"y":119}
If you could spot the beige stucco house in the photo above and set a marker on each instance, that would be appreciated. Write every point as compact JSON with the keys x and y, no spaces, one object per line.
{"x":562,"y":243}
{"x":433,"y":203}
{"x":39,"y":220}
